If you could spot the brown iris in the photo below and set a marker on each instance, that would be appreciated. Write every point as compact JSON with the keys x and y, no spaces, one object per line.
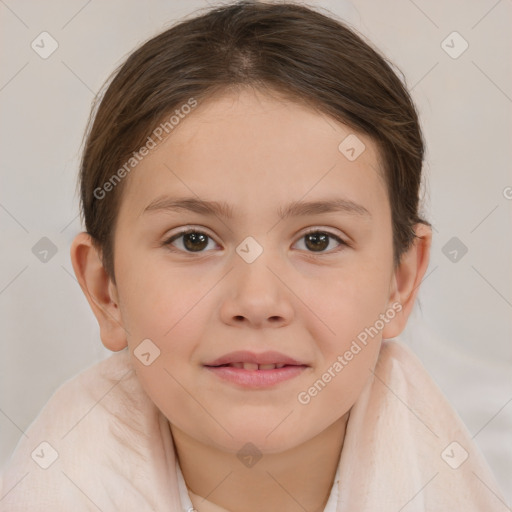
{"x":195,"y":241}
{"x":317,"y":241}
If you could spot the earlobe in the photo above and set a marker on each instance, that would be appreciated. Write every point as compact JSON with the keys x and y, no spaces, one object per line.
{"x":407,"y":279}
{"x":99,"y":290}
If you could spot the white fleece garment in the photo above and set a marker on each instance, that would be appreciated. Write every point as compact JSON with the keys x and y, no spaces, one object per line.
{"x":108,"y":448}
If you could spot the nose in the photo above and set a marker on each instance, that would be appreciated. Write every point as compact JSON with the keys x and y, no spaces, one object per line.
{"x":256,"y":296}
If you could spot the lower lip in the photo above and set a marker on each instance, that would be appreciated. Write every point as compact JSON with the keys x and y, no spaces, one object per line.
{"x":256,"y":378}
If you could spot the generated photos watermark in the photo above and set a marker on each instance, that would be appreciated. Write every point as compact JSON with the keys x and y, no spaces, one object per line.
{"x":158,"y":134}
{"x":305,"y":397}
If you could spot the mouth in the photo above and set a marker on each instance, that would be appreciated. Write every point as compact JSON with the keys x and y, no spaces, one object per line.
{"x":247,"y":360}
{"x":248,"y":370}
{"x":255,"y":376}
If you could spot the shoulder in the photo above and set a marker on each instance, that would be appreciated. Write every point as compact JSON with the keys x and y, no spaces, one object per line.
{"x":80,"y":435}
{"x":76,"y":396}
{"x":403,"y":432}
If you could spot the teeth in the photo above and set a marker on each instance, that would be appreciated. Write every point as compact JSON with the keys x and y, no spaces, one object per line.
{"x":250,"y":366}
{"x":267,"y":366}
{"x":254,"y":366}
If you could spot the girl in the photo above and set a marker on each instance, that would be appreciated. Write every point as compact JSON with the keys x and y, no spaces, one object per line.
{"x":249,"y":187}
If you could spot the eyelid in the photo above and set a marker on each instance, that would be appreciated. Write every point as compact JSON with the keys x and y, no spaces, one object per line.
{"x":191,"y":228}
{"x":321,"y":229}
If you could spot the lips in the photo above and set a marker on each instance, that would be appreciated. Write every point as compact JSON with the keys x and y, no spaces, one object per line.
{"x":255,"y":376}
{"x":250,"y":361}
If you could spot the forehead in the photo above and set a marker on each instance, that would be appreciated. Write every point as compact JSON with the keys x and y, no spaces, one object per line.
{"x":253,"y":148}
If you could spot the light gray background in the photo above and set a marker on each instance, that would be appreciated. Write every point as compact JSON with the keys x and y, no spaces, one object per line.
{"x":461,"y":330}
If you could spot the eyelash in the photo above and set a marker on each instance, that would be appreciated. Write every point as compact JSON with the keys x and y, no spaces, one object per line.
{"x":167,"y":243}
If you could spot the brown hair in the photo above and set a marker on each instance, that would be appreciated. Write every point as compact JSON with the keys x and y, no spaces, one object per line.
{"x":293,"y":49}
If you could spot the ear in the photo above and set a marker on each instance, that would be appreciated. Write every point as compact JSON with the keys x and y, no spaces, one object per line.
{"x":406,"y":280}
{"x":99,"y":290}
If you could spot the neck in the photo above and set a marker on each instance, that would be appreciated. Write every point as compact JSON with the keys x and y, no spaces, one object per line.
{"x":292,"y":481}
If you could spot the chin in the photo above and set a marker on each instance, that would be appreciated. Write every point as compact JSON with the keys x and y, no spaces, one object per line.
{"x":263,"y":439}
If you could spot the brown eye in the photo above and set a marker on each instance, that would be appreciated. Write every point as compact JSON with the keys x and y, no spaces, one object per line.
{"x":191,"y":241}
{"x":195,"y":241}
{"x":319,"y":241}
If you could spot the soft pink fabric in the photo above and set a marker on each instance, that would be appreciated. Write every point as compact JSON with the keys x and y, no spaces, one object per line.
{"x":115,"y":450}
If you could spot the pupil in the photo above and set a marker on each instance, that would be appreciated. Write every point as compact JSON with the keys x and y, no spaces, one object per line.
{"x":319,"y":241}
{"x":191,"y":240}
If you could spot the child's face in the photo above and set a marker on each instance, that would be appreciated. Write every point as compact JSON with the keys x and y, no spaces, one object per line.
{"x":257,"y":155}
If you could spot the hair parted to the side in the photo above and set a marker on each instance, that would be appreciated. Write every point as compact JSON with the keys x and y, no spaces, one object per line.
{"x":287,"y":48}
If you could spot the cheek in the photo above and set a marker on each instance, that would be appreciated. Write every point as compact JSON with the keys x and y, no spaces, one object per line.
{"x":337,"y":386}
{"x":349,"y":337}
{"x":173,"y":323}
{"x":347,"y":357}
{"x":344,"y":303}
{"x":158,"y":298}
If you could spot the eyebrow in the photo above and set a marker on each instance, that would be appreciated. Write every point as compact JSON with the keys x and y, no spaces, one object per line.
{"x":223,"y":209}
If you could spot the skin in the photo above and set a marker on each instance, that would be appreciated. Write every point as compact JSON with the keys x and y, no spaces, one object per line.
{"x":258,"y":152}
